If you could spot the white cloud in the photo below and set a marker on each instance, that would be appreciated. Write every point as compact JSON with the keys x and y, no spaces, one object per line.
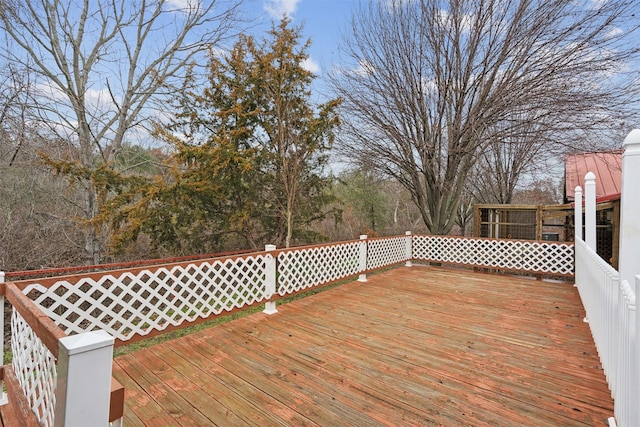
{"x":614,"y":32}
{"x":310,"y":65}
{"x":364,"y":68}
{"x":447,"y":21}
{"x":277,"y":8}
{"x":597,"y":4}
{"x":184,"y":6}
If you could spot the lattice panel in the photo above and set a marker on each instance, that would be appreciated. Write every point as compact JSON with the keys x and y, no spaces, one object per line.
{"x":383,"y":252}
{"x":130,"y":304}
{"x":35,"y":367}
{"x":304,"y":268}
{"x":516,"y":255}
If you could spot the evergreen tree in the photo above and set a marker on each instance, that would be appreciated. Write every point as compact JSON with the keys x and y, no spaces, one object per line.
{"x":250,"y":148}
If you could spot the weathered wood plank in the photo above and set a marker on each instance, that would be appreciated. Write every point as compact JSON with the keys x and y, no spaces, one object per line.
{"x":464,"y":355}
{"x":17,"y":411}
{"x":141,"y":401}
{"x":412,"y":346}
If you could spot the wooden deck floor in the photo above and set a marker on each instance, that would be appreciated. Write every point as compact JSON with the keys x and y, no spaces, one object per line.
{"x":412,"y":346}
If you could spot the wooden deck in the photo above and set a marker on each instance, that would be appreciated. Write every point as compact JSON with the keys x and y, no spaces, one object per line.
{"x":412,"y":346}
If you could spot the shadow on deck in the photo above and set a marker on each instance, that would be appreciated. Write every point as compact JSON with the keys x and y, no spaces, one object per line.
{"x":412,"y":346}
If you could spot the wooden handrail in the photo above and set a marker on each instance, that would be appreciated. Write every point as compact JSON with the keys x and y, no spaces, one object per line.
{"x":121,"y":265}
{"x":45,"y":329}
{"x":95,"y":275}
{"x":116,"y":402}
{"x":17,"y":411}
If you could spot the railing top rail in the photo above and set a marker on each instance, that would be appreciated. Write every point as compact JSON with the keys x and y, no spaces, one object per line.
{"x":142,"y":266}
{"x":608,"y":268}
{"x":317,"y":245}
{"x":45,"y":328}
{"x":95,"y":275}
{"x":72,"y":278}
{"x":59,"y":271}
{"x":524,"y":207}
{"x":550,"y":242}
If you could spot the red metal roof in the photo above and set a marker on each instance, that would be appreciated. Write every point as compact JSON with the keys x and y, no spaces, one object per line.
{"x":607,"y":167}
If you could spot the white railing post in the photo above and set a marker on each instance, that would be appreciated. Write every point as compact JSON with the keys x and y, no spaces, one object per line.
{"x":409,"y":243}
{"x":84,"y":379}
{"x":632,"y":345}
{"x":270,"y":279}
{"x":577,"y":213}
{"x":590,"y":210}
{"x":363,"y":258}
{"x":630,"y":210}
{"x":630,"y":246}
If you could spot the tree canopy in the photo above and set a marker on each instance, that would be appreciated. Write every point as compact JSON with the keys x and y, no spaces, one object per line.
{"x":435,"y":83}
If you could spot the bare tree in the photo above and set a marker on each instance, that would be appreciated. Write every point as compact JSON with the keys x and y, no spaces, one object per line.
{"x":100,"y":65}
{"x":502,"y":163}
{"x":434,"y":83}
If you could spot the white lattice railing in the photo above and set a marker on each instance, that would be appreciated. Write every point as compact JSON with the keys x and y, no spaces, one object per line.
{"x":303,"y":268}
{"x":34,"y":356}
{"x":131,"y":304}
{"x":610,"y":308}
{"x":35,"y":367}
{"x":47,"y":377}
{"x":535,"y":257}
{"x":382,"y":252}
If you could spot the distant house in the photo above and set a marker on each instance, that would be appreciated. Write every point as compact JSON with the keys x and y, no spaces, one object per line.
{"x":607,"y":167}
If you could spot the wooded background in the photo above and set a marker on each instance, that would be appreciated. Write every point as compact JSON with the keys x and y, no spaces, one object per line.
{"x":140,"y":130}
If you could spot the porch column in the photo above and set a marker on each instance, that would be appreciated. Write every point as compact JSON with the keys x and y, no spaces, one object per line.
{"x":630,"y":244}
{"x":630,"y":210}
{"x":577,"y":213}
{"x":590,"y":210}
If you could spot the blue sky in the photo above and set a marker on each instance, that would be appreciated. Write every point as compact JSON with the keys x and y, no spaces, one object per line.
{"x":323,"y":22}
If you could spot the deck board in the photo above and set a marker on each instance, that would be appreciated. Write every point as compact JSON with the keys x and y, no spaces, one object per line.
{"x":411,"y":346}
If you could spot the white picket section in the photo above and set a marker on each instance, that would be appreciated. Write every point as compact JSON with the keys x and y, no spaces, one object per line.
{"x":598,"y":285}
{"x":609,"y":296}
{"x":625,"y":387}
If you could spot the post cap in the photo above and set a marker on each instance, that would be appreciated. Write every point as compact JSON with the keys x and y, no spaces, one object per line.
{"x":86,"y":341}
{"x":632,"y":139}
